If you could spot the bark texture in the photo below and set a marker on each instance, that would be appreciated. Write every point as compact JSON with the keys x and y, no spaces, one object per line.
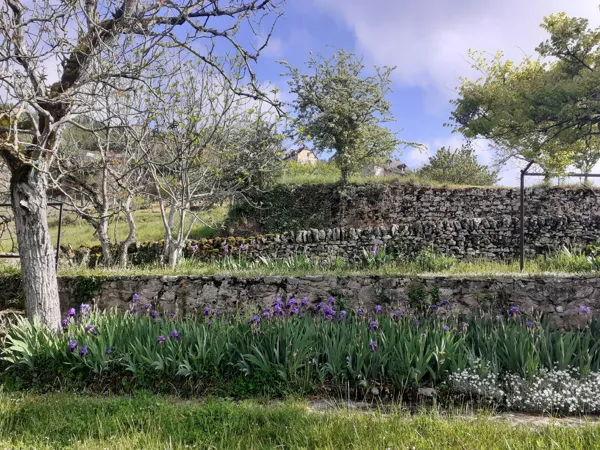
{"x":37,"y":254}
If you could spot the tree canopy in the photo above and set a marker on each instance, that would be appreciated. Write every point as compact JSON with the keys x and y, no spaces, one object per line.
{"x":339,"y":108}
{"x":545,"y":109}
{"x":458,"y":166}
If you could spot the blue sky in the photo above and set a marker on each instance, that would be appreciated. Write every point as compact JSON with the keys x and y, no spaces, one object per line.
{"x":428,"y":41}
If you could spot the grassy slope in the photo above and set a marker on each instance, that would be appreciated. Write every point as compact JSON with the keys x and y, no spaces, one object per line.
{"x":149,"y":422}
{"x":78,"y":232}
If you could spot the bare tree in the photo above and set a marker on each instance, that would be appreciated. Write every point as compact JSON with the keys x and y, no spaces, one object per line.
{"x":100,"y":171}
{"x":210,"y":145}
{"x":80,"y":44}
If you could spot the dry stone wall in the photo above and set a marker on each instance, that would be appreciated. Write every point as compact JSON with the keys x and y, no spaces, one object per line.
{"x":492,"y":238}
{"x":287,"y":208}
{"x":559,"y":298}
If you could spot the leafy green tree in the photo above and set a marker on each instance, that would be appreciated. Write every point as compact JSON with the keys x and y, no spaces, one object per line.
{"x":339,"y":108}
{"x":458,"y":166}
{"x":542,"y":109}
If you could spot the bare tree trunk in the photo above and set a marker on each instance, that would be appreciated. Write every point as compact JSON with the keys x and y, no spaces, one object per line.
{"x":124,"y":246}
{"x":38,"y":273}
{"x":104,"y":238}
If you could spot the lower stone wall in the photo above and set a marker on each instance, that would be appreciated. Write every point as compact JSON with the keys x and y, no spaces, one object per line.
{"x":559,"y":297}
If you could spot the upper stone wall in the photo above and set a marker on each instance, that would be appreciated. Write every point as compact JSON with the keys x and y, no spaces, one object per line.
{"x":288,"y":208}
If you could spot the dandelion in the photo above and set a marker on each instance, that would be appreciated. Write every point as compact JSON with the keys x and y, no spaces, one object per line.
{"x":373,"y":325}
{"x":83,"y":351}
{"x":373,"y":345}
{"x":174,"y":335}
{"x":378,"y":309}
{"x":161,"y":340}
{"x":72,"y":346}
{"x":72,"y":312}
{"x":585,"y":309}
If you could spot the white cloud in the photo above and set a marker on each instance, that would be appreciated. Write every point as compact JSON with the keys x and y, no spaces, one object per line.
{"x":428,"y":40}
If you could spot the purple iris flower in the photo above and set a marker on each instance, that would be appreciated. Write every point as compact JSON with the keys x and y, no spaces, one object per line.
{"x":89,"y":328}
{"x":84,"y":309}
{"x":208,"y":323}
{"x":373,"y":325}
{"x":174,"y":335}
{"x":446,"y":327}
{"x":278,"y":301}
{"x":514,"y":311}
{"x":373,"y":345}
{"x":109,"y":351}
{"x":207,"y":312}
{"x":585,"y":309}
{"x":397,"y":315}
{"x":291,"y":303}
{"x":226,"y":248}
{"x":331,"y":300}
{"x":72,"y":346}
{"x":154,"y":314}
{"x":65,"y":322}
{"x":148,"y":306}
{"x":254,"y":321}
{"x":360,"y":312}
{"x":72,"y":312}
{"x":161,"y":340}
{"x":83,"y":351}
{"x":171,"y":315}
{"x":529,"y":324}
{"x":294,"y":311}
{"x":277,"y":310}
{"x":374,"y":250}
{"x":195,"y":248}
{"x":434,"y":307}
{"x":443,"y":302}
{"x":266,"y":315}
{"x":135,"y":298}
{"x":304,"y":302}
{"x":342,"y":315}
{"x":378,"y":309}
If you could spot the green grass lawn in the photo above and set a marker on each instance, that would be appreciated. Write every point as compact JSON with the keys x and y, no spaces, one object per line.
{"x":77,"y":232}
{"x":152,"y":422}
